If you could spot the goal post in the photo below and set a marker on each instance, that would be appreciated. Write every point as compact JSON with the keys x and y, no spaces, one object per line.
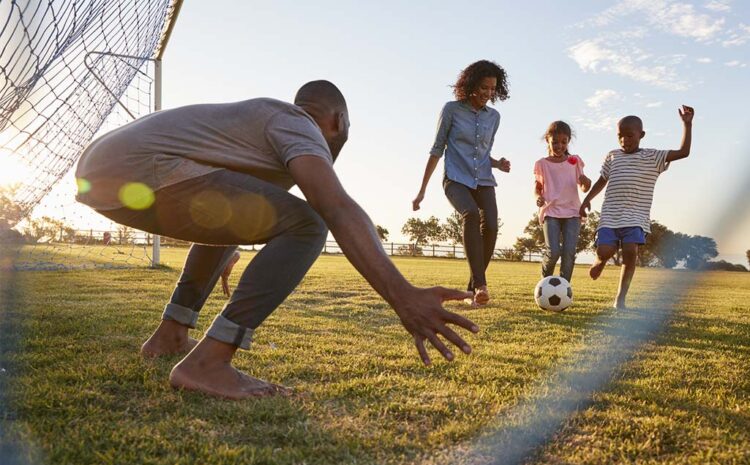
{"x":72,"y":69}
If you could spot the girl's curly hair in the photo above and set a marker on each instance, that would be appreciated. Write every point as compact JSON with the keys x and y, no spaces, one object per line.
{"x":469,"y":79}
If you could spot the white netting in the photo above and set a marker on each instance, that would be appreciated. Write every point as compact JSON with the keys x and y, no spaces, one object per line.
{"x":69,"y":70}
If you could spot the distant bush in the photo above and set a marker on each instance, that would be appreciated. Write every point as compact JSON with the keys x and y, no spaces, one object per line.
{"x":723,"y":265}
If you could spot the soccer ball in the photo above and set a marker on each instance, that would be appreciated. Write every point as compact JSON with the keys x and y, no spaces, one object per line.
{"x":553,"y":293}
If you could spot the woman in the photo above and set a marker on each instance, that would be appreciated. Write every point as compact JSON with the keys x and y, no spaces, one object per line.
{"x":466,"y":132}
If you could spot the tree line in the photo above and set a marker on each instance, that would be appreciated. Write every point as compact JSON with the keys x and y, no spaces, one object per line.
{"x":663,"y":248}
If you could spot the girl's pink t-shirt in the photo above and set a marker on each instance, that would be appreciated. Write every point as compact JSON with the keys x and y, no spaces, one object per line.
{"x":559,"y":187}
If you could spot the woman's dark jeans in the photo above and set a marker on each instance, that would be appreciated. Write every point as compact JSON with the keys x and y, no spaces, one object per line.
{"x":478,"y":209}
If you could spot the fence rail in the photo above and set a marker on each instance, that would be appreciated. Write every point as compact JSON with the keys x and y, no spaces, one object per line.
{"x":125,"y":236}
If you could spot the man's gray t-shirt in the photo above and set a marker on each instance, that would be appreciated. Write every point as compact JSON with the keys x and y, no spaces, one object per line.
{"x":258,"y":137}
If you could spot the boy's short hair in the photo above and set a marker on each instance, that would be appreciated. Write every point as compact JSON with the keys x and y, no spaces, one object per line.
{"x":631,"y":120}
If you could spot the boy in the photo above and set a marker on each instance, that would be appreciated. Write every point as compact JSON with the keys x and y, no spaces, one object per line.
{"x":630,"y":175}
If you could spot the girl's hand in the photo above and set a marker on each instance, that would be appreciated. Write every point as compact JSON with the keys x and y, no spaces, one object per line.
{"x":417,"y":200}
{"x":539,"y":201}
{"x":584,"y":182}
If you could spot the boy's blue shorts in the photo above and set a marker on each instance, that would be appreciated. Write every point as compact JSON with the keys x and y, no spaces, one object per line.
{"x":617,"y":236}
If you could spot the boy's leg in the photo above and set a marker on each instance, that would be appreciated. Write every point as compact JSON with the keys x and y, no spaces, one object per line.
{"x":603,"y":254}
{"x":551,"y":229}
{"x":571,"y":227}
{"x":627,"y":270}
{"x":607,"y":242}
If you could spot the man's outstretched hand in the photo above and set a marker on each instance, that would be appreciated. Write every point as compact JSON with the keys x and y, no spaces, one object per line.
{"x":422,"y":314}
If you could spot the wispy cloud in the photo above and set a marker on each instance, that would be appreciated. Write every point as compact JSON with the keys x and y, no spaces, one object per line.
{"x":717,"y":5}
{"x":654,"y":104}
{"x":601,"y":97}
{"x":605,"y":49}
{"x":680,"y":19}
{"x":594,"y":55}
{"x":738,"y":36}
{"x":735,"y":64}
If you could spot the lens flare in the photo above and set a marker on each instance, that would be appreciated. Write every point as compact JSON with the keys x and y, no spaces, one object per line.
{"x":136,"y":196}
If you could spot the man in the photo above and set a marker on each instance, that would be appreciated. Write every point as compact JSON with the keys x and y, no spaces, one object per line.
{"x":218,"y":175}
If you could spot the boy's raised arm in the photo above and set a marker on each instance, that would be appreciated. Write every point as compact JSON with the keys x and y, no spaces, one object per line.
{"x":595,"y":189}
{"x":686,"y":114}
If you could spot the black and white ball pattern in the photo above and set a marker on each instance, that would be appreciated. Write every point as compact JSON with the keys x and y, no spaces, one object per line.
{"x":553,"y":293}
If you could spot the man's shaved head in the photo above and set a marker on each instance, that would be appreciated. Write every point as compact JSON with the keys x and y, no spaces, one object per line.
{"x":320,"y":96}
{"x":631,"y":122}
{"x":326,"y":104}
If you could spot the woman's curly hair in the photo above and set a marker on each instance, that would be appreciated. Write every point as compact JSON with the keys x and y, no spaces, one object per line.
{"x":469,"y":79}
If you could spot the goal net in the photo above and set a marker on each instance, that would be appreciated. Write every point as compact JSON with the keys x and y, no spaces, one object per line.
{"x":69,"y":71}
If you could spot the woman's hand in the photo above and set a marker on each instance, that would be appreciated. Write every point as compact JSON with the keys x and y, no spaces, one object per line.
{"x":417,"y":200}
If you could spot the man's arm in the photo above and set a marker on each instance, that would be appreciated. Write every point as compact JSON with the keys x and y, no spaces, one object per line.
{"x":686,"y":115}
{"x":595,"y":189}
{"x":420,"y":310}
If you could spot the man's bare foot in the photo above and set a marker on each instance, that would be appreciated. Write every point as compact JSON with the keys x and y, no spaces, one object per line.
{"x":596,"y":269}
{"x":222,"y":380}
{"x":481,"y":296}
{"x":170,"y":338}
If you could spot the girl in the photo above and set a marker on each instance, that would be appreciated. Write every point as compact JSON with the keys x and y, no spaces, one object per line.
{"x":466,"y":132}
{"x":557,"y":178}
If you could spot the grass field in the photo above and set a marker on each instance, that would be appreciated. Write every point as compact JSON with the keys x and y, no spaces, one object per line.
{"x":78,"y":393}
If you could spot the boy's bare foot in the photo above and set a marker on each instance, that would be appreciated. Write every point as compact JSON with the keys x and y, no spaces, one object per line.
{"x":619,"y":305}
{"x":481,"y":296}
{"x":170,"y":338}
{"x":222,"y":380}
{"x":596,"y":269}
{"x":470,"y":302}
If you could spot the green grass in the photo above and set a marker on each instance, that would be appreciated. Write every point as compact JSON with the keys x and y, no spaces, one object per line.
{"x":79,"y":393}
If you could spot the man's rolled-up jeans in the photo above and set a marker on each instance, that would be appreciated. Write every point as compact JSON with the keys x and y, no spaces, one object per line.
{"x":218,"y":212}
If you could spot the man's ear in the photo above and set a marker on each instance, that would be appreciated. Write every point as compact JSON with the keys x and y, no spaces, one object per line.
{"x":341,"y":121}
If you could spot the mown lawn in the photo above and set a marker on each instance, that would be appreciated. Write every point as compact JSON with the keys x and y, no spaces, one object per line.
{"x":78,"y":393}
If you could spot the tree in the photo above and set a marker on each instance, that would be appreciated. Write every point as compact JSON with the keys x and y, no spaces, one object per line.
{"x":422,"y":231}
{"x":587,"y":236}
{"x":10,"y":210}
{"x":656,"y":250}
{"x":453,"y":229}
{"x":46,"y":229}
{"x":747,"y":254}
{"x":533,"y":241}
{"x":382,"y":233}
{"x":125,"y":234}
{"x":698,"y":250}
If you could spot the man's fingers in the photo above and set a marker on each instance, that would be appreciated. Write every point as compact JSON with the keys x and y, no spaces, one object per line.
{"x":419,"y":342}
{"x":458,"y":320}
{"x":438,"y":344}
{"x":453,"y":294}
{"x":455,"y":339}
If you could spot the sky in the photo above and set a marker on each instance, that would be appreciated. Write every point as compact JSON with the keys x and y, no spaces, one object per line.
{"x":586,"y":62}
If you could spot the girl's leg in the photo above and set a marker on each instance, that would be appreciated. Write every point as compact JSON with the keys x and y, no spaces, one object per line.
{"x":570,"y":229}
{"x":460,"y":197}
{"x":551,"y":228}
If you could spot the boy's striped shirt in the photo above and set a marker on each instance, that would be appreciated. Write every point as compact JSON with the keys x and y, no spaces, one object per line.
{"x":631,"y":178}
